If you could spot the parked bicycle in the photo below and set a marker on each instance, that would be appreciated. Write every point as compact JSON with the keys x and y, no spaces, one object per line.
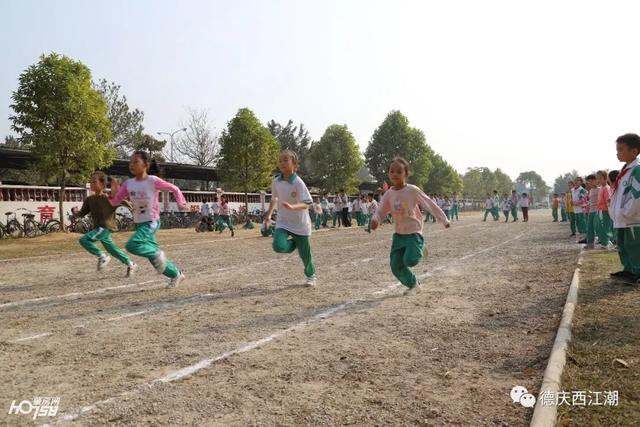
{"x":79,"y":225}
{"x":124,"y":222}
{"x":34,"y":228}
{"x":13,"y":228}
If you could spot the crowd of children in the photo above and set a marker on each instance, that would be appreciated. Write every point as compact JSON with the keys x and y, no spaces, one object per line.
{"x":603,"y":210}
{"x":508,"y":204}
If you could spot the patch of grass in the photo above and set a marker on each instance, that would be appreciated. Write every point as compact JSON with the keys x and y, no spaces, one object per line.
{"x":606,"y":327}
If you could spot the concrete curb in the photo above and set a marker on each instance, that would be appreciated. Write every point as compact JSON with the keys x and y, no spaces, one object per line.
{"x":545,"y":415}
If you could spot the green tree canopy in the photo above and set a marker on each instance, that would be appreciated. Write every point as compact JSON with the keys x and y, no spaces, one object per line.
{"x":296,"y":139}
{"x":472,"y":181}
{"x":533,"y":183}
{"x":248,"y":152}
{"x":126,"y":124}
{"x":394,"y":137}
{"x":480,"y":181}
{"x":335,"y":160}
{"x":504,"y":184}
{"x":561,"y":183}
{"x":63,"y":118}
{"x":443,"y":178}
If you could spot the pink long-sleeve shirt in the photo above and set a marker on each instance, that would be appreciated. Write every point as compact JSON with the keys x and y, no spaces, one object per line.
{"x":604,"y":195}
{"x":404,"y":206}
{"x":143,"y":195}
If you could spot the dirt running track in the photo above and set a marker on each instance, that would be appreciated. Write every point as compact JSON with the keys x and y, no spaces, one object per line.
{"x":242,"y":342}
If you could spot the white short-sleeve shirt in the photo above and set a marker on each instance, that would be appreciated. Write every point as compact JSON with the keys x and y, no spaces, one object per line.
{"x":292,"y":191}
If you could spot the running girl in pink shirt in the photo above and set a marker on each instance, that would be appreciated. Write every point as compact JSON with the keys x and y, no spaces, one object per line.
{"x":142,"y":191}
{"x":403,"y":201}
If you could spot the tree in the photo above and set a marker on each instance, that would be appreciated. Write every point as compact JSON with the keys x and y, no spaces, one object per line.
{"x":504,"y":184}
{"x":443,"y":178}
{"x":335,"y":160}
{"x":247,"y":153}
{"x":198,"y":144}
{"x":561,"y":184}
{"x":294,"y":138}
{"x":63,"y":118}
{"x":126,"y":124}
{"x":154,"y":146}
{"x":534,"y":184}
{"x":480,"y":181}
{"x":394,"y":137}
{"x":472,"y":181}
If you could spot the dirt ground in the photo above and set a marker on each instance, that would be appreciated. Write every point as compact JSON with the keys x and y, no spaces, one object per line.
{"x":243,"y":342}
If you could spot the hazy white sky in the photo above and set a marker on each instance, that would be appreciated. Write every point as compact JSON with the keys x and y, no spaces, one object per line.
{"x":544,"y":86}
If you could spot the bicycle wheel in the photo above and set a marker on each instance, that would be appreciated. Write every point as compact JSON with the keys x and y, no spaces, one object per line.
{"x":30,"y":228}
{"x":14,"y":229}
{"x":53,"y":226}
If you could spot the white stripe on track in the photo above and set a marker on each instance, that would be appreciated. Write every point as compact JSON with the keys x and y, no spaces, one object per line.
{"x":74,"y":294}
{"x":169,"y":305}
{"x":46,"y":334}
{"x":205,"y":363}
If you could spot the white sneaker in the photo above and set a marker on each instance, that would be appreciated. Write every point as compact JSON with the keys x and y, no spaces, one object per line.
{"x":131,"y":269}
{"x":175,"y":281}
{"x":412,"y":291}
{"x":160,"y":262}
{"x":103,"y":260}
{"x":312,"y":281}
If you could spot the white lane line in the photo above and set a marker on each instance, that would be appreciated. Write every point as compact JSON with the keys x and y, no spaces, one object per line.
{"x":205,"y":363}
{"x":164,"y":245}
{"x":195,"y":298}
{"x":74,"y":294}
{"x":34,"y":337}
{"x":124,"y":316}
{"x":204,"y":296}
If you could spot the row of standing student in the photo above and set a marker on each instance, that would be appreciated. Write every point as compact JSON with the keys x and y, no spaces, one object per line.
{"x":607,"y":207}
{"x":586,"y":208}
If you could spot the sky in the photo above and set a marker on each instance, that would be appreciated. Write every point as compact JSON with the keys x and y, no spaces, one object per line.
{"x":544,"y":86}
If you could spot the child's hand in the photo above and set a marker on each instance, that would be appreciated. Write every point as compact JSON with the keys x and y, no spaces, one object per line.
{"x":183,"y":207}
{"x":374,"y":224}
{"x":447,"y":225}
{"x":287,"y":205}
{"x":267,"y":223}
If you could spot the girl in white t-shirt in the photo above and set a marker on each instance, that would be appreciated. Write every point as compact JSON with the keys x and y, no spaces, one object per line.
{"x":293,"y":225}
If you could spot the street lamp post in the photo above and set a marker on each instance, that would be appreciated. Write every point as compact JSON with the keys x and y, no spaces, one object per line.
{"x":171,"y":134}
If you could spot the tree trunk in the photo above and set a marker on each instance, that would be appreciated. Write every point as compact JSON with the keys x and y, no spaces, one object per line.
{"x":61,"y":200}
{"x":246,"y":203}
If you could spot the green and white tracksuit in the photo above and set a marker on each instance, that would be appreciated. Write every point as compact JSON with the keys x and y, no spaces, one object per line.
{"x":103,"y":235}
{"x":103,"y":215}
{"x":625,"y":212}
{"x":143,"y":195}
{"x":293,"y":227}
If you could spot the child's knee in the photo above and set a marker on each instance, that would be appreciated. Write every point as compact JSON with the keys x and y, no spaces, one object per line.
{"x":279,"y":245}
{"x":412,"y":261}
{"x":131,"y":247}
{"x":84,"y":240}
